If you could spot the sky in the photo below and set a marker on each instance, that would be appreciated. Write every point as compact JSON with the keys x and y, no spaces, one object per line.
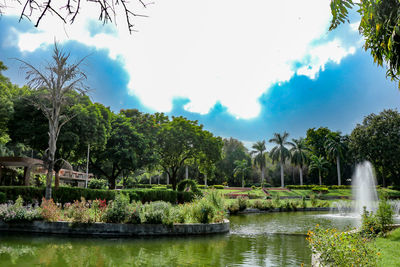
{"x":242,"y":70}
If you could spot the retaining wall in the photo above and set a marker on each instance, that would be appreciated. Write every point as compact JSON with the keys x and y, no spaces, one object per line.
{"x":113,"y":229}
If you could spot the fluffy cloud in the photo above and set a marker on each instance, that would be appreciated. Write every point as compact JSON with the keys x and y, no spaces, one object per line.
{"x":227,"y":51}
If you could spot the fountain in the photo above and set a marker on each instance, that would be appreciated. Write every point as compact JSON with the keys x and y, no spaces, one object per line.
{"x":364,"y":189}
{"x":364,"y":193}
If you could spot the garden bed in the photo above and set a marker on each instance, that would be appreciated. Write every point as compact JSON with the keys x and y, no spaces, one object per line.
{"x":114,"y":229}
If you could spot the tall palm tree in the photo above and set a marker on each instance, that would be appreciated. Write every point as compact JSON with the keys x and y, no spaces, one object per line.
{"x":318,"y":163}
{"x":299,"y":152}
{"x":335,"y":148}
{"x":280,"y":152}
{"x":259,"y":159}
{"x":241,"y":168}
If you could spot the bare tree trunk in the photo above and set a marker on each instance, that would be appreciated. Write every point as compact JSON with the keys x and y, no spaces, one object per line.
{"x":262,"y":177}
{"x":301,"y":175}
{"x":205,"y":180}
{"x":243,"y":180}
{"x":338,"y":170}
{"x":57,"y":179}
{"x":53,"y":134}
{"x":282,"y":177}
{"x":186,"y":172}
{"x":319,"y":176}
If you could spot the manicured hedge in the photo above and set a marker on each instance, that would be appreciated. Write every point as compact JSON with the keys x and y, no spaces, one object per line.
{"x":3,"y":198}
{"x":218,"y":186}
{"x":311,"y":186}
{"x":69,"y":194}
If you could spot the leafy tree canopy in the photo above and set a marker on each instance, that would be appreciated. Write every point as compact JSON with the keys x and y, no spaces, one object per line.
{"x":380,"y":27}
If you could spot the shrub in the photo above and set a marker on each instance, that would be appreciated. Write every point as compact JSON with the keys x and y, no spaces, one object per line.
{"x":18,"y":213}
{"x":50,"y":211}
{"x":98,"y":184}
{"x":242,"y":203}
{"x":203,"y":211}
{"x":314,"y":200}
{"x":99,"y":207}
{"x":303,"y":202}
{"x":276,"y":201}
{"x":384,"y":214}
{"x":201,"y":186}
{"x":117,"y":210}
{"x":342,"y":248}
{"x":262,"y":204}
{"x":188,"y":183}
{"x":233,"y":207}
{"x":78,"y":212}
{"x":3,"y":198}
{"x":300,"y":187}
{"x":370,"y":227}
{"x":320,"y":189}
{"x":157,"y":213}
{"x":218,"y":186}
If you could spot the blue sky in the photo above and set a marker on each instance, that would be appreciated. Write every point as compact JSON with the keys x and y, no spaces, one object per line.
{"x":246,"y":78}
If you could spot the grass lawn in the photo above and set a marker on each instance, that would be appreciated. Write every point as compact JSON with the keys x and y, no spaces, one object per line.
{"x":389,"y":248}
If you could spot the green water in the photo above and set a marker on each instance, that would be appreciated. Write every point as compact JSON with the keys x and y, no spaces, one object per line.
{"x":274,"y":239}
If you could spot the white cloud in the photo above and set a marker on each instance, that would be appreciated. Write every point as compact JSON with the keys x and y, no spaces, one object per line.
{"x":229,"y":51}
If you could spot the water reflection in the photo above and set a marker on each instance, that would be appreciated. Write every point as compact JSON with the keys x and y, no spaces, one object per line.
{"x":255,"y":240}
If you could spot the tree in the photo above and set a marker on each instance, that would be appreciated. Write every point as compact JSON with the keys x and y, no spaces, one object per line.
{"x":377,"y":140}
{"x":242,"y":166}
{"x":259,"y":159}
{"x":126,"y":150}
{"x":299,"y":156}
{"x":280,"y":152}
{"x":319,"y":164}
{"x":67,"y":11}
{"x":180,"y":141}
{"x":335,"y":149}
{"x":53,"y":86}
{"x":232,"y":150}
{"x":380,"y":28}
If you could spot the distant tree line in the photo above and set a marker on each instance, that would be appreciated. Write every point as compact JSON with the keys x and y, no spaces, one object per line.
{"x":132,"y":147}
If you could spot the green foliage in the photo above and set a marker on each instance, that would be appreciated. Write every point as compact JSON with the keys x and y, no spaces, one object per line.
{"x":97,"y":184}
{"x":204,"y":211}
{"x":79,"y":212}
{"x":218,"y":186}
{"x":377,"y":139}
{"x":70,"y":194}
{"x":157,"y":213}
{"x":233,"y":207}
{"x":320,"y":189}
{"x":314,"y":200}
{"x":18,"y":213}
{"x":117,"y":211}
{"x":242,"y":203}
{"x":3,"y":198}
{"x":263,"y":204}
{"x":188,"y":184}
{"x":342,"y":248}
{"x":181,"y":140}
{"x":380,"y":28}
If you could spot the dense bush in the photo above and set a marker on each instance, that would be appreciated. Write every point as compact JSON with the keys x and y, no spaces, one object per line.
{"x":18,"y":213}
{"x":3,"y":198}
{"x":218,"y":186}
{"x":98,"y":184}
{"x":242,"y":203}
{"x":377,"y":224}
{"x":320,"y":189}
{"x":342,"y":248}
{"x":201,"y":186}
{"x":70,"y":194}
{"x":311,"y":186}
{"x":157,"y":213}
{"x":117,"y":211}
{"x":188,"y":183}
